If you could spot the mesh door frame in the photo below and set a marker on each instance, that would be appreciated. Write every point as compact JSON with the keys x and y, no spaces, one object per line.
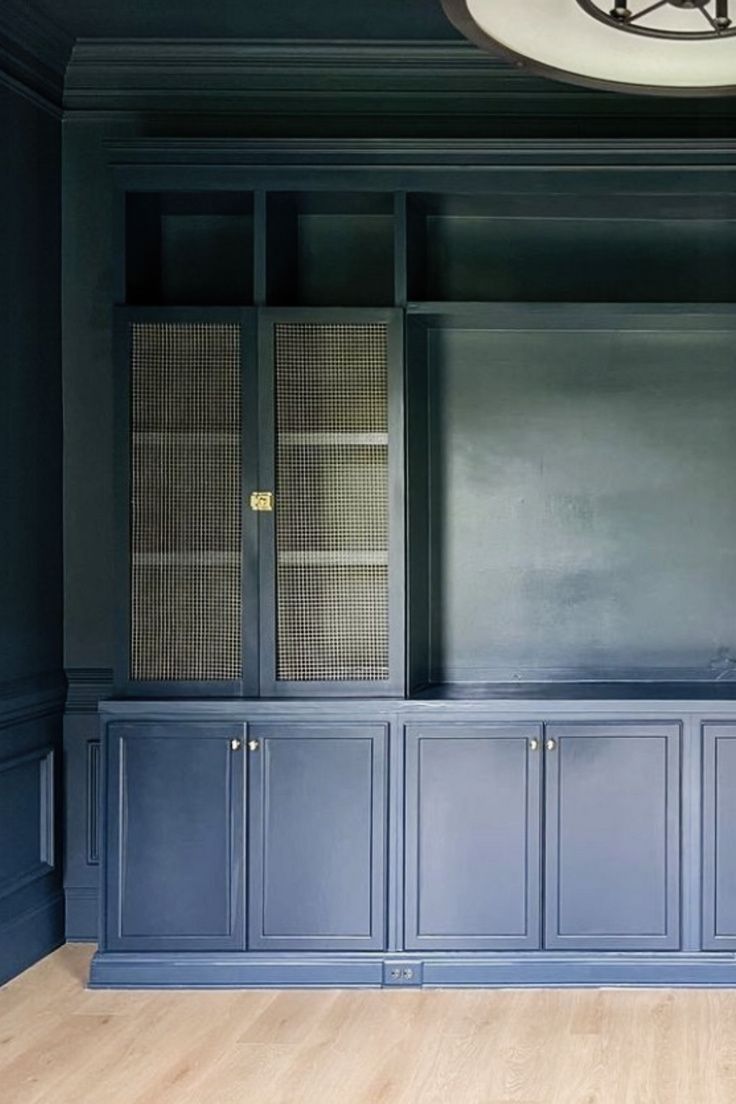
{"x":394,"y":686}
{"x":247,"y":684}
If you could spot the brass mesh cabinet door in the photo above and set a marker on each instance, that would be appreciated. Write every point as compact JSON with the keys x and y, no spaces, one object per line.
{"x":333,"y":515}
{"x":185,"y":498}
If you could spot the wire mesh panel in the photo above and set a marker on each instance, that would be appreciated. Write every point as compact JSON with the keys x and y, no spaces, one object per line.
{"x":332,"y":501}
{"x":185,"y":523}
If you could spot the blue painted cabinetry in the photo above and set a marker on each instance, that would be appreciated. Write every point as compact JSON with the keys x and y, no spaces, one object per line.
{"x":317,"y":837}
{"x":175,"y":837}
{"x":609,"y":840}
{"x":719,"y":837}
{"x":314,"y":818}
{"x":473,"y":833}
{"x":612,"y":839}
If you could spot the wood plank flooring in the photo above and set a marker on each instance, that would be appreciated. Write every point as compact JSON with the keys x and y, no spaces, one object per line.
{"x":60,"y":1044}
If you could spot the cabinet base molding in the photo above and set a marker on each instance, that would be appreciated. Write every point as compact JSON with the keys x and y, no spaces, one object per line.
{"x":245,"y":971}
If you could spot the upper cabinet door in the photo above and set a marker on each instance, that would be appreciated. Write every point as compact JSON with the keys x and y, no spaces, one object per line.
{"x":473,"y":824}
{"x":187,"y":422}
{"x":317,"y":843}
{"x":333,"y":548}
{"x":719,"y":837}
{"x":612,"y":837}
{"x":175,"y":851}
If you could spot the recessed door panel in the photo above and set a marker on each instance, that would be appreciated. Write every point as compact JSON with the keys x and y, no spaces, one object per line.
{"x":473,"y":837}
{"x":175,"y":838}
{"x":317,"y":837}
{"x":612,"y":837}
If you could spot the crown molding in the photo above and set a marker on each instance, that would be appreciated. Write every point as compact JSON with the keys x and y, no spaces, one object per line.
{"x":34,"y":52}
{"x":314,"y":85}
{"x":87,"y":687}
{"x":295,"y":77}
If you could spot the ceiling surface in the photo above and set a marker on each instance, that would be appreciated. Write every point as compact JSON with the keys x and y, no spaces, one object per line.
{"x":288,"y":19}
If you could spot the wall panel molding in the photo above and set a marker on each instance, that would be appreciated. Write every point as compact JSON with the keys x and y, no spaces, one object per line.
{"x":44,"y":861}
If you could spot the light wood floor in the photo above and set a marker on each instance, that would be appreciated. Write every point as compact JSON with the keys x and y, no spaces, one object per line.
{"x":62,"y":1045}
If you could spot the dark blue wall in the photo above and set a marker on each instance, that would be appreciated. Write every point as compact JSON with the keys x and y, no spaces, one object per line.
{"x":31,"y":669}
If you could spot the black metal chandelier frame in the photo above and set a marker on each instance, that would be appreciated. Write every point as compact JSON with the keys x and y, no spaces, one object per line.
{"x":627,"y":15}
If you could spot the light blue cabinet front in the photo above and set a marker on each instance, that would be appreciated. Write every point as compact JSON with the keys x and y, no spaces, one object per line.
{"x":719,"y":837}
{"x":473,"y":828}
{"x":612,"y":852}
{"x":175,"y":837}
{"x":317,"y":837}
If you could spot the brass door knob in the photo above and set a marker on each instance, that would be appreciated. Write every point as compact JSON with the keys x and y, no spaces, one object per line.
{"x":253,"y":745}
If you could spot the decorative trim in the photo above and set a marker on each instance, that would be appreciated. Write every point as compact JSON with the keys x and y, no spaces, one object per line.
{"x":336,"y":78}
{"x":26,"y":699}
{"x":423,"y":153}
{"x":82,"y":919}
{"x":44,"y":865}
{"x":155,"y":970}
{"x":93,"y":803}
{"x":30,"y":936}
{"x":88,"y":686}
{"x":34,"y":52}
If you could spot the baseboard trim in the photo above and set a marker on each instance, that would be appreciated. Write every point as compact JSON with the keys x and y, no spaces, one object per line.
{"x":81,"y":915}
{"x":241,"y":970}
{"x":31,"y":936}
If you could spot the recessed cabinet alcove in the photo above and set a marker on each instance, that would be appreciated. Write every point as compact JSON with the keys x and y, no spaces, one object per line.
{"x":426,"y":573}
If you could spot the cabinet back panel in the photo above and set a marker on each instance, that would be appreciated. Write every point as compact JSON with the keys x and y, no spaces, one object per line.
{"x":578,"y":260}
{"x":582,"y":515}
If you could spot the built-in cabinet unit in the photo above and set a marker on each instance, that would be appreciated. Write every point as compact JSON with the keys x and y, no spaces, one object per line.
{"x":427,"y":567}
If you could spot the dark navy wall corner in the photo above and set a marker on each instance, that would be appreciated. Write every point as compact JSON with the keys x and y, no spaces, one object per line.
{"x":34,"y":52}
{"x":32,"y":681}
{"x":82,"y":823}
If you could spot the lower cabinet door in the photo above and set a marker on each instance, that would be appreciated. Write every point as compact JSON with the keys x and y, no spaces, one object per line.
{"x":175,"y":837}
{"x":317,"y":837}
{"x":612,"y":837}
{"x":719,"y":837}
{"x":473,"y":825}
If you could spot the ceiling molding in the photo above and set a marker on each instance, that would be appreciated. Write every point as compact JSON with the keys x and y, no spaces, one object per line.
{"x":298,"y":80}
{"x":34,"y":52}
{"x":294,"y":77}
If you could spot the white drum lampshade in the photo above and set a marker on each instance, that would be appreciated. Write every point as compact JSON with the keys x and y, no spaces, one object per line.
{"x":661,"y":47}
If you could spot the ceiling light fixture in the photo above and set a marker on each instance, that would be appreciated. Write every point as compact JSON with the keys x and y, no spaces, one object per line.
{"x":661,"y":47}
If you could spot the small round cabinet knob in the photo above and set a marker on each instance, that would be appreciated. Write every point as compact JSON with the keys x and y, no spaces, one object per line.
{"x":551,"y":744}
{"x":534,"y":744}
{"x":253,"y":745}
{"x":235,"y":745}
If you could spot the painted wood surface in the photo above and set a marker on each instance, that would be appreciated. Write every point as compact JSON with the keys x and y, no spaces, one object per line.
{"x":317,"y":837}
{"x":719,"y":837}
{"x":175,"y":838}
{"x":473,"y":837}
{"x":612,"y":846}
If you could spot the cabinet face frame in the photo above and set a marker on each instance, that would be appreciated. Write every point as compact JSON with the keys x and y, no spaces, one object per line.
{"x":112,"y":936}
{"x":266,"y":734}
{"x":712,"y":938}
{"x":394,"y":685}
{"x":247,"y":684}
{"x":524,"y":733}
{"x":670,"y":938}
